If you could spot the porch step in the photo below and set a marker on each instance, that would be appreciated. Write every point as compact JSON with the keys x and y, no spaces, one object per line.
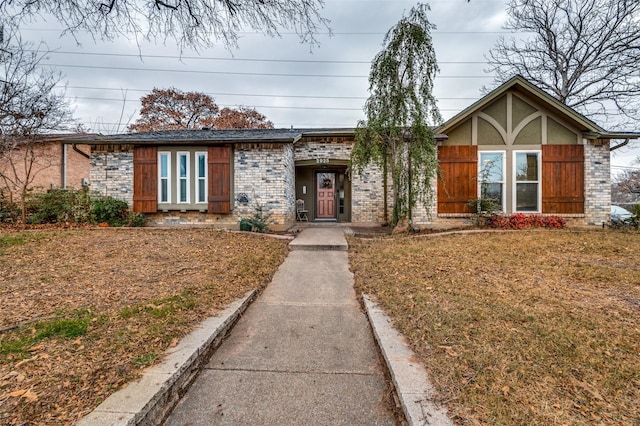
{"x":320,"y":239}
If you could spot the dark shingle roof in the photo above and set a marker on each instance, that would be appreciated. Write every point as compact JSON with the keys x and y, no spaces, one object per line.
{"x":178,"y":137}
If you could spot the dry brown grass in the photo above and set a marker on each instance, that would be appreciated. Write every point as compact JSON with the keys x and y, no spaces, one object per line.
{"x":517,"y":328}
{"x":105,"y":303}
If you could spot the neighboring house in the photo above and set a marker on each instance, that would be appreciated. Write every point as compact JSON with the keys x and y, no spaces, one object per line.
{"x":516,"y":144}
{"x":57,"y":163}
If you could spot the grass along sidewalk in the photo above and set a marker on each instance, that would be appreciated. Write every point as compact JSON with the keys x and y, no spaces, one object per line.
{"x":97,"y":306}
{"x":517,"y":328}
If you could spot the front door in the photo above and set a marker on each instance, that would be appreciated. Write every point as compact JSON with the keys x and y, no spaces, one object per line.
{"x":325,"y":192}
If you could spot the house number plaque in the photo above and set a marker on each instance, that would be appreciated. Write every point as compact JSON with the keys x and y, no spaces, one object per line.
{"x":322,"y":161}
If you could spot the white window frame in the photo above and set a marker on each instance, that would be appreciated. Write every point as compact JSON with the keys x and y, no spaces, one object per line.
{"x":204,"y":178}
{"x":514,"y":189}
{"x":502,"y":182}
{"x":161,"y":178}
{"x":186,"y":178}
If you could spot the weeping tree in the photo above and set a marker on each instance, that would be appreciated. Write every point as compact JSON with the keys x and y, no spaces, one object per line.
{"x":396,"y":134}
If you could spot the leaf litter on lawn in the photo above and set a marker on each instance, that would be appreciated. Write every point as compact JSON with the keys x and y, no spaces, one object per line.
{"x":517,"y":328}
{"x":99,"y":305}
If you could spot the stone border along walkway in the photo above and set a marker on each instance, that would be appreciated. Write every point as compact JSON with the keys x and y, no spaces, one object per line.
{"x":149,"y":400}
{"x":410,"y":380}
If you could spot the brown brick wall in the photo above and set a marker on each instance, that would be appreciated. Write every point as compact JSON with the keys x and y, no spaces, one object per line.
{"x":47,"y":167}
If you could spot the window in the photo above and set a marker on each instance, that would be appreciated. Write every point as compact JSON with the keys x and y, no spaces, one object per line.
{"x":201,"y":174}
{"x":183,"y":177}
{"x":491,"y":176}
{"x":527,"y":181}
{"x":164,"y":186}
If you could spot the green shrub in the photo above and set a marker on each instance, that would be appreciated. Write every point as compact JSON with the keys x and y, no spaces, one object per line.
{"x":635,"y":220}
{"x":483,"y":206}
{"x":9,"y":212}
{"x":110,"y":210}
{"x":137,"y":219}
{"x":259,"y":221}
{"x":59,"y":206}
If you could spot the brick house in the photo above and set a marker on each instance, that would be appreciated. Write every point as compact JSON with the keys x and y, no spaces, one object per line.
{"x":58,"y":162}
{"x":516,"y":144}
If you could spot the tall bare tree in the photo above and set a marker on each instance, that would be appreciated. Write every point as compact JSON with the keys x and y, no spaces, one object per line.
{"x":30,"y":106}
{"x":191,"y":23}
{"x":626,"y":187}
{"x":585,"y":53}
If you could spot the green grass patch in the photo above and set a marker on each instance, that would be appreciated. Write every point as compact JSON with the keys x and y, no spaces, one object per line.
{"x":19,"y":341}
{"x":64,"y":328}
{"x":160,"y":308}
{"x":18,"y":239}
{"x":12,"y":240}
{"x":145,"y":360}
{"x":15,"y":344}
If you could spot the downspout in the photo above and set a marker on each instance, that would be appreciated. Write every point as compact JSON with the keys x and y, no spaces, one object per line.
{"x":84,"y":154}
{"x":613,"y":148}
{"x":63,"y":167}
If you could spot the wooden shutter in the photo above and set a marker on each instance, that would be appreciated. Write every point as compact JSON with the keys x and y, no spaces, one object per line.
{"x":145,"y":179}
{"x":219,"y":159}
{"x":458,"y":182}
{"x":563,"y":179}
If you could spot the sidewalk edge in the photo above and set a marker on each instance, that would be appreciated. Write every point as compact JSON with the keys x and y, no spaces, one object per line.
{"x":148,"y":400}
{"x":409,"y":377}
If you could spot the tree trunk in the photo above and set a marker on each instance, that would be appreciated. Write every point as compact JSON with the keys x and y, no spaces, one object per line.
{"x":409,"y":189}
{"x":385,"y":184}
{"x":23,"y":207}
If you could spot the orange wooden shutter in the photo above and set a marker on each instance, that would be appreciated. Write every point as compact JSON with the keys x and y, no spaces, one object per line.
{"x":458,"y":182}
{"x":219,"y":159}
{"x":145,"y":179}
{"x":563,"y":179}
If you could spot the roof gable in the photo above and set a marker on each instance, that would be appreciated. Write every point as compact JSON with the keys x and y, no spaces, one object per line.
{"x":523,"y":87}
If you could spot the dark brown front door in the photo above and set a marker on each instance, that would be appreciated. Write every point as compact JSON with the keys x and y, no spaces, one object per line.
{"x":325,"y":192}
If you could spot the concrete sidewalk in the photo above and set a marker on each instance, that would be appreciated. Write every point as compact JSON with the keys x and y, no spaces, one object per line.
{"x":303,"y":353}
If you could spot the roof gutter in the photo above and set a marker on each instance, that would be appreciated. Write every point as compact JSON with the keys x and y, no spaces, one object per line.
{"x":620,"y":145}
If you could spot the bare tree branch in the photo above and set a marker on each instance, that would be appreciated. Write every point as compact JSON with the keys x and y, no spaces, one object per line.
{"x":191,"y":23}
{"x":585,"y":53}
{"x":30,"y":106}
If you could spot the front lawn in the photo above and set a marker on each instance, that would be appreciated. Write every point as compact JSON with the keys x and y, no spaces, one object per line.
{"x":517,"y":328}
{"x":97,"y":306}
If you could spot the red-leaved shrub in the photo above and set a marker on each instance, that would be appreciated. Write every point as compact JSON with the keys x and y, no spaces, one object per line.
{"x":520,"y":221}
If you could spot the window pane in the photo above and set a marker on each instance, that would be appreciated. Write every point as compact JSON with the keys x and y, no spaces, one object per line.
{"x":527,"y":197}
{"x":183,"y":190}
{"x":526,"y":166}
{"x":492,"y":191}
{"x":491,"y":167}
{"x":201,"y":165}
{"x":201,"y":191}
{"x":164,"y":191}
{"x":164,"y":165}
{"x":183,"y":165}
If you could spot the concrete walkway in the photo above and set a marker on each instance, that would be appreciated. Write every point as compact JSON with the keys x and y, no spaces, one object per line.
{"x":303,"y":353}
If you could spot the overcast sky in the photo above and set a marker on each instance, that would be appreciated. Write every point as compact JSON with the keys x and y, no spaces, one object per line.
{"x":280,"y":77}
